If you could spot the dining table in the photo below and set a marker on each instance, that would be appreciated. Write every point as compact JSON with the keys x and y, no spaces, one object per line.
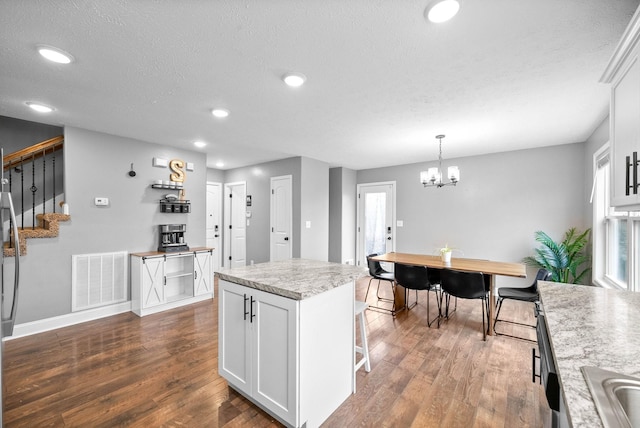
{"x":487,"y":267}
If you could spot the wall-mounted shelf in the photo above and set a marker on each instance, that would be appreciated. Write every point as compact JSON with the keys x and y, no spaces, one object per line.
{"x":167,"y":187}
{"x":167,"y":206}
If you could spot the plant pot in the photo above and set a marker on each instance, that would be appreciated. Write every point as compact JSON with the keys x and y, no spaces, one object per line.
{"x":446,"y":257}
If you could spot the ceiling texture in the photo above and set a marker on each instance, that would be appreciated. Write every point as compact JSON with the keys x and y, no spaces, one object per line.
{"x":382,"y":81}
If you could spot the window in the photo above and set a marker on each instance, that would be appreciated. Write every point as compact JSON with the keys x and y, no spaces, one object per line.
{"x":616,"y":234}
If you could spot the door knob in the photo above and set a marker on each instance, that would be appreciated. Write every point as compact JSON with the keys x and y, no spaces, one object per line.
{"x":388,"y":238}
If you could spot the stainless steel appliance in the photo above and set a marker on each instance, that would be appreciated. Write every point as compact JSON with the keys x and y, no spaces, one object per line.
{"x":9,"y":302}
{"x":172,"y":237}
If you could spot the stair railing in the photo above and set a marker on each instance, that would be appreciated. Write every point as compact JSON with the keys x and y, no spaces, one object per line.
{"x":35,"y":167}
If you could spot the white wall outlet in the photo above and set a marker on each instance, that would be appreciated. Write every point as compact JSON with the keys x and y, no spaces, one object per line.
{"x":308,"y":224}
{"x":190,"y":166}
{"x":399,"y":223}
{"x":102,"y":202}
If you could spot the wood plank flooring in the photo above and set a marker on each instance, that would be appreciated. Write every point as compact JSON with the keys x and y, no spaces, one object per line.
{"x":161,"y":371}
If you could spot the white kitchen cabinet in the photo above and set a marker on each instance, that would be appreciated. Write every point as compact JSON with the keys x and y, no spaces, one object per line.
{"x":623,"y":73}
{"x":258,"y":338}
{"x":293,"y":358}
{"x":161,"y":281}
{"x":203,"y":274}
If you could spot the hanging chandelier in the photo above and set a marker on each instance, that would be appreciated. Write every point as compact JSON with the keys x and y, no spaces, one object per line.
{"x":433,"y":176}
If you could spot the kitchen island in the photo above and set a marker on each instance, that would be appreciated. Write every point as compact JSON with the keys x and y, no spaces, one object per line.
{"x":286,"y":336}
{"x":590,"y":326}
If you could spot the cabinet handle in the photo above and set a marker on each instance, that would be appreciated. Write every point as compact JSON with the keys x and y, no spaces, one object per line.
{"x":165,"y":280}
{"x":533,"y":366}
{"x":245,"y":307}
{"x":252,"y":314}
{"x":195,"y":274}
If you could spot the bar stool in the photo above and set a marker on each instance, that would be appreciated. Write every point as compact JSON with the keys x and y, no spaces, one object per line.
{"x":360,"y":307}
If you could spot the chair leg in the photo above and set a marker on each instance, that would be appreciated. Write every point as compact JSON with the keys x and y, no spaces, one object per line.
{"x":484,"y":330}
{"x":438,"y":302}
{"x":368,"y":286}
{"x":499,"y":306}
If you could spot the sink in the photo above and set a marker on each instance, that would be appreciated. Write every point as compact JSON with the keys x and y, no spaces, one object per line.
{"x":617,"y":397}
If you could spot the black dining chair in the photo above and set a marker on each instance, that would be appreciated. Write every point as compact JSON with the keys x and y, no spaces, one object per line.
{"x":527,"y":294}
{"x":419,"y":278}
{"x":466,"y":285}
{"x":376,"y":271}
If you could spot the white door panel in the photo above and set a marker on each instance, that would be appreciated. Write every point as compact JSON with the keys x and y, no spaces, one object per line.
{"x":376,"y":219}
{"x":281,"y":213}
{"x":235,"y":225}
{"x":214,"y":222}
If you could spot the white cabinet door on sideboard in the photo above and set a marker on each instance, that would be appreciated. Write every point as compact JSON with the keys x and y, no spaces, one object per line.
{"x":152,"y":273}
{"x":203,"y":274}
{"x":162,"y":281}
{"x":258,"y":343}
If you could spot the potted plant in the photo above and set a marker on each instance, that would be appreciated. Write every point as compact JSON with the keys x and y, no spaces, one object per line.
{"x":564,"y":259}
{"x":445,"y":253}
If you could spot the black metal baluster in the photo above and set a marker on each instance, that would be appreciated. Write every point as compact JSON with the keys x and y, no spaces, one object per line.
{"x":33,"y":189}
{"x":11,"y":237}
{"x":44,"y":181}
{"x":53,"y":167}
{"x":22,"y":191}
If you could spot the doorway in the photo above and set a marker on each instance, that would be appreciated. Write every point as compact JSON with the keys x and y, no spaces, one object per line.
{"x":376,"y":208}
{"x":281,"y":214}
{"x":213,"y":223}
{"x":235,"y":224}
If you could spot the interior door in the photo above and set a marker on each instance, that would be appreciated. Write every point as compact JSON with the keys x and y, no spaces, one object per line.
{"x":281,"y":214}
{"x":376,"y":219}
{"x":235,"y":224}
{"x":213,"y":231}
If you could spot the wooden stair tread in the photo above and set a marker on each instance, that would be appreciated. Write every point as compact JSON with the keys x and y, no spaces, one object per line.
{"x":48,"y":227}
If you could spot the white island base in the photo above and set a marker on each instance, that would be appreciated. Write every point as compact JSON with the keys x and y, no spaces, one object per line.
{"x":294,"y":358}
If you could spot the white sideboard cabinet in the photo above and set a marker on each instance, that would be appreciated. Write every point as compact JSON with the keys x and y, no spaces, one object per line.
{"x":161,"y":281}
{"x":623,"y":73}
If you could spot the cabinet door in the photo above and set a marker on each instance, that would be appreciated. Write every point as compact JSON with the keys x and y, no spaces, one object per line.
{"x":233,"y":335}
{"x":152,"y":282}
{"x":625,"y":131}
{"x":203,"y":274}
{"x":275,"y":363}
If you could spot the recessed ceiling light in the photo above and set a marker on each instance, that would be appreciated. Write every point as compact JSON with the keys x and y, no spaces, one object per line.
{"x":55,"y":54}
{"x":219,"y":164}
{"x":220,"y":112}
{"x":199,"y":144}
{"x":294,"y":79}
{"x":442,"y":10}
{"x":40,"y":108}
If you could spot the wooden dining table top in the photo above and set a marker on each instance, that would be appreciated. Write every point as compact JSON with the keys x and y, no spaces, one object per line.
{"x":468,"y":265}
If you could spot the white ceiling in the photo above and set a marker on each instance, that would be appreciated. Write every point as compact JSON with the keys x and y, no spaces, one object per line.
{"x":381,"y":80}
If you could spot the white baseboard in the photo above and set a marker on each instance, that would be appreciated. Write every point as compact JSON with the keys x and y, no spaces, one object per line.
{"x":40,"y":326}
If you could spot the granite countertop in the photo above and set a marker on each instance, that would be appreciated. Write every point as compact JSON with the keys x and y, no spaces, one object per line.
{"x":590,"y":326}
{"x":296,"y":279}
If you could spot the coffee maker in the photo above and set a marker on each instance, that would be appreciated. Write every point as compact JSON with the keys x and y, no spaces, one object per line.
{"x":172,"y":238}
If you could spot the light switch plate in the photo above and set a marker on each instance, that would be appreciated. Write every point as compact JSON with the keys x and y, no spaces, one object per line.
{"x":308,"y":224}
{"x":400,"y":223}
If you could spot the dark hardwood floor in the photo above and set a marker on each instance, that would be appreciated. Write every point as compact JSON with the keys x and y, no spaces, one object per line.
{"x":161,"y":370}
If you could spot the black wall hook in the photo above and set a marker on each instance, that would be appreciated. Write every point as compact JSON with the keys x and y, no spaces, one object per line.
{"x":132,"y":173}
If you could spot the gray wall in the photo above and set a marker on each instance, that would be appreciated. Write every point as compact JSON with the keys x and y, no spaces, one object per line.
{"x":342,"y":215}
{"x":314,"y":199}
{"x":16,"y":134}
{"x":215,"y":175}
{"x":98,"y":165}
{"x":501,"y":200}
